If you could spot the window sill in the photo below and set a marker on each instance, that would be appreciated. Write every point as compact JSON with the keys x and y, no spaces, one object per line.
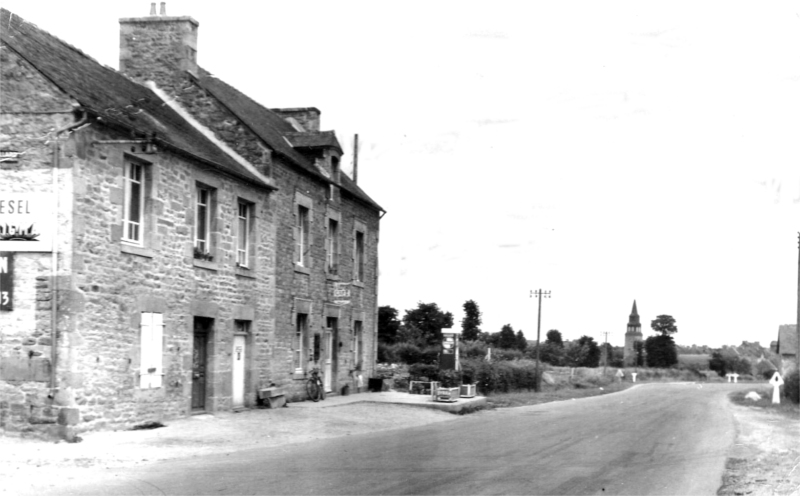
{"x":298,"y":376}
{"x":205,"y":264}
{"x":301,"y":269}
{"x":333,"y":277}
{"x":136,"y":250}
{"x":247,"y":273}
{"x":358,"y":284}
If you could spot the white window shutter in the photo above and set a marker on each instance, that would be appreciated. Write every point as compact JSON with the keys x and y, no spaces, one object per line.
{"x":157,"y":353}
{"x":145,"y":359}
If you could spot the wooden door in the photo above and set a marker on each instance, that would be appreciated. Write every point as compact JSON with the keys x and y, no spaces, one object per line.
{"x":199,"y":364}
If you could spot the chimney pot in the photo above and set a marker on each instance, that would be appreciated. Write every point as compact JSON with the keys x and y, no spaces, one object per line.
{"x":163,"y":8}
{"x":153,"y":9}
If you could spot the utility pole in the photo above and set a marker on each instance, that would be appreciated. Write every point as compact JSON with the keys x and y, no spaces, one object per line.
{"x":605,"y":351}
{"x":539,"y":294}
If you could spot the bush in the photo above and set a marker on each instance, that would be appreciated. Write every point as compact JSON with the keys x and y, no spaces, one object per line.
{"x":501,"y":376}
{"x":423,"y":371}
{"x":407,"y":353}
{"x":506,"y":354}
{"x":386,"y":353}
{"x":790,"y":384}
{"x":472,"y":349}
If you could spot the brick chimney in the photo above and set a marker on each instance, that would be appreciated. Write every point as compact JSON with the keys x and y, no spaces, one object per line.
{"x":157,"y":47}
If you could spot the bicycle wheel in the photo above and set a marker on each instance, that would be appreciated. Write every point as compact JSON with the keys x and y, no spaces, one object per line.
{"x":313,"y":390}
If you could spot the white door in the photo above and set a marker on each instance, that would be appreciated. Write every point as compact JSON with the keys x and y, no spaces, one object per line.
{"x":238,"y":371}
{"x":328,"y":371}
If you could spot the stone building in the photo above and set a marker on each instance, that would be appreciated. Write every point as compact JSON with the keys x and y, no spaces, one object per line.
{"x":632,"y":335}
{"x":185,"y":245}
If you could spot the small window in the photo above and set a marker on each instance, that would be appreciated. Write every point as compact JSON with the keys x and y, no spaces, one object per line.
{"x":332,"y":246}
{"x":300,"y":332}
{"x":358,"y":344}
{"x":358,"y":270}
{"x":151,"y":358}
{"x":244,"y":234}
{"x":133,"y":210}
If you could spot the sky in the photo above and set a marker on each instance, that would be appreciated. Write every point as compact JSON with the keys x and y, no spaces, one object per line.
{"x":603,"y":151}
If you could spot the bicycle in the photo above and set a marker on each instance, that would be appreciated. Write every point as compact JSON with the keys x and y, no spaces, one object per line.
{"x":314,"y":387}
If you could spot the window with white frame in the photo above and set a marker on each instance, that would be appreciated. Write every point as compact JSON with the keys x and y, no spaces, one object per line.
{"x":332,"y":247}
{"x":300,"y":333}
{"x":151,"y":346}
{"x":133,"y":209}
{"x":302,"y":236}
{"x":204,"y":217}
{"x":244,"y":234}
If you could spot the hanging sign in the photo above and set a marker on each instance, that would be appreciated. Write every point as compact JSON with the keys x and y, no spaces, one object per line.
{"x":26,"y":222}
{"x":6,"y":281}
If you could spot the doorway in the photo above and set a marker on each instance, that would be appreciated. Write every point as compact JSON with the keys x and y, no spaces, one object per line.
{"x":202,"y":331}
{"x":239,"y":352}
{"x":330,"y":339}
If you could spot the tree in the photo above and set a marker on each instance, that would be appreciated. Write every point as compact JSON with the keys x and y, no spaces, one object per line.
{"x":423,"y":325}
{"x":388,"y":325}
{"x":664,"y":324}
{"x":522,"y":343}
{"x":725,"y":362}
{"x":551,"y":353}
{"x":470,"y":324}
{"x":507,"y":339}
{"x":638,"y":348}
{"x":554,"y":337}
{"x":661,"y":351}
{"x":582,"y":353}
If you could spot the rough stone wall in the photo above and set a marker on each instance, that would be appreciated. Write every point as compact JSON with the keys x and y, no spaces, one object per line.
{"x":28,"y":405}
{"x":117,"y":285}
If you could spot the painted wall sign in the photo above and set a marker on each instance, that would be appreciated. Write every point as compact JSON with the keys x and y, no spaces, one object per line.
{"x":6,"y":281}
{"x":26,"y":222}
{"x":341,"y":293}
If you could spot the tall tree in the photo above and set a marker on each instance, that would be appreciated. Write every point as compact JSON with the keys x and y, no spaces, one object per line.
{"x":507,"y":338}
{"x":592,"y":358}
{"x":638,"y":348}
{"x":388,"y":325}
{"x":554,"y":337}
{"x":423,"y":325}
{"x":471,"y":323}
{"x":664,"y":324}
{"x":522,"y":343}
{"x":661,"y":350}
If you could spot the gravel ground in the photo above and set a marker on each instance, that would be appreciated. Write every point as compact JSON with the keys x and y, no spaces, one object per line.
{"x":23,"y":462}
{"x":766,"y":457}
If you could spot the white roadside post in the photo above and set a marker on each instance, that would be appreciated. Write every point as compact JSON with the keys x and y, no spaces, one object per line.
{"x":633,"y":375}
{"x":776,"y":382}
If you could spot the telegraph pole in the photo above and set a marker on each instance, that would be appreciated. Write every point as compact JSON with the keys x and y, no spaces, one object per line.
{"x":605,"y":351}
{"x":539,"y":294}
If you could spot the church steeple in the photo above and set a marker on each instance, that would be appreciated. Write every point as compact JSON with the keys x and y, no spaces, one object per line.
{"x":633,"y":334}
{"x":634,"y":318}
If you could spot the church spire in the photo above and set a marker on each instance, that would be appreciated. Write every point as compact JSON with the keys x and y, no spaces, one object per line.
{"x":634,"y":319}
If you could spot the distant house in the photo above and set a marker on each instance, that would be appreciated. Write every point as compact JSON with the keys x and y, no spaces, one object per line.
{"x":787,"y":347}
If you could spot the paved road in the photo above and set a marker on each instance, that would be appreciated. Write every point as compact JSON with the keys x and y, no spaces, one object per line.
{"x":654,"y":439}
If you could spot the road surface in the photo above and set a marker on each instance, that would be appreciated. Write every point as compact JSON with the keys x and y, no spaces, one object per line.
{"x":653,"y":439}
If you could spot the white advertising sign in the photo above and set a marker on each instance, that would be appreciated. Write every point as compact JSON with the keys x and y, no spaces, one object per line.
{"x":26,"y":222}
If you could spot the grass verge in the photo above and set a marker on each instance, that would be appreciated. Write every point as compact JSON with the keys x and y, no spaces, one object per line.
{"x":549,"y":394}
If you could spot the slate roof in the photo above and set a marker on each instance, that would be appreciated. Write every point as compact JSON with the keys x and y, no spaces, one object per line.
{"x":276,"y":132}
{"x":787,"y":339}
{"x":108,"y":94}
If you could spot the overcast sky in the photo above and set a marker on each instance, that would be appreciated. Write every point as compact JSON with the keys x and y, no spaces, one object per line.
{"x":605,"y":151}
